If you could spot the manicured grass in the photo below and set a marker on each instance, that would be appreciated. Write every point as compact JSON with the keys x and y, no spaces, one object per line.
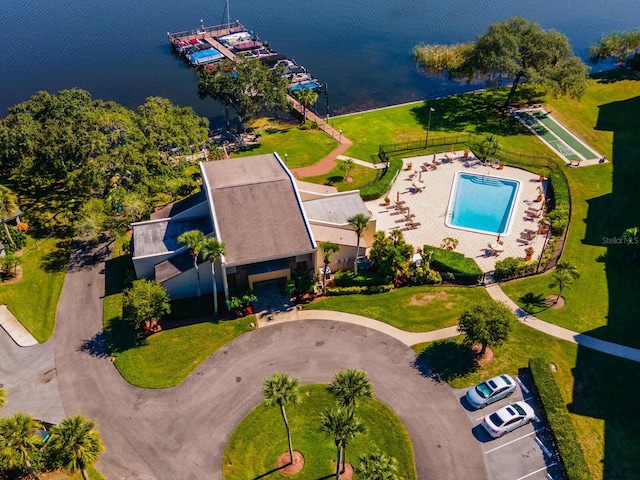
{"x":590,"y":383}
{"x":463,"y":114}
{"x":301,"y":147}
{"x":261,"y":437}
{"x":414,"y":309}
{"x":361,"y":176}
{"x":34,"y":299}
{"x":604,"y":301}
{"x":166,"y":358}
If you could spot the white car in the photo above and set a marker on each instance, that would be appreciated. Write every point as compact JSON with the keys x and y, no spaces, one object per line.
{"x":508,"y":418}
{"x":491,"y":390}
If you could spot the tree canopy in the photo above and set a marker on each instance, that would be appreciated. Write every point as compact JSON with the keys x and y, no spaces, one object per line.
{"x":68,"y":147}
{"x":487,"y":323}
{"x":516,"y":49}
{"x":247,"y":85}
{"x":145,"y":302}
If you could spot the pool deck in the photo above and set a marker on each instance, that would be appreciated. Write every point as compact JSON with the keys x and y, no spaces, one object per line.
{"x":430,"y":205}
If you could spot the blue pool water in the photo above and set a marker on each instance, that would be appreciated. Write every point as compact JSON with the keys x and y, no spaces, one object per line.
{"x":482,"y":204}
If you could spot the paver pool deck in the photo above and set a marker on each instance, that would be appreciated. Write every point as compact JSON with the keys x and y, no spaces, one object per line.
{"x":430,"y":205}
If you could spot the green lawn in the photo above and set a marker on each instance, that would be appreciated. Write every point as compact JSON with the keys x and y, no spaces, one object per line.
{"x":463,"y":114}
{"x":34,"y":299}
{"x":361,"y":176}
{"x":261,"y":437}
{"x":297,"y":148}
{"x":166,"y":358}
{"x":414,"y":309}
{"x":604,"y":301}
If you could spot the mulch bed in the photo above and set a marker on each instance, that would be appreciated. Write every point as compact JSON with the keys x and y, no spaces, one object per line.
{"x":552,"y":301}
{"x":287,"y":468}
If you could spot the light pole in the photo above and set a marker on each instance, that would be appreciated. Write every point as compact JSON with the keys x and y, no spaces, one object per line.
{"x":426,"y":142}
{"x":340,"y":131}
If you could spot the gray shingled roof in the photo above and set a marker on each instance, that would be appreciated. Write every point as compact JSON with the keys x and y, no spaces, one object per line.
{"x":336,"y":209}
{"x":257,"y":210}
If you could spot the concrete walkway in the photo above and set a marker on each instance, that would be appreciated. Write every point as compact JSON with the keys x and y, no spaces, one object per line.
{"x":14,"y":328}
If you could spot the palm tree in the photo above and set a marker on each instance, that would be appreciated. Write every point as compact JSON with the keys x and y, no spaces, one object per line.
{"x":3,"y":397}
{"x":77,"y":443}
{"x":564,"y":274}
{"x":212,"y":250}
{"x":630,"y":237}
{"x":327,"y":249}
{"x":280,"y":389}
{"x":193,"y":240}
{"x":360,"y":223}
{"x":378,"y":466}
{"x":306,"y":97}
{"x":18,"y":439}
{"x":8,"y":206}
{"x":346,"y":167}
{"x":341,"y":425}
{"x":350,"y":386}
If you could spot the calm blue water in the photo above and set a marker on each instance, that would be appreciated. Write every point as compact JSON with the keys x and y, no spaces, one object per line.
{"x":118,"y":49}
{"x":482,"y":203}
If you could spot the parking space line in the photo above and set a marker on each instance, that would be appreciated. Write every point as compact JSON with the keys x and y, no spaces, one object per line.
{"x":509,"y":443}
{"x":533,"y":473}
{"x":544,"y":449}
{"x":524,"y":389}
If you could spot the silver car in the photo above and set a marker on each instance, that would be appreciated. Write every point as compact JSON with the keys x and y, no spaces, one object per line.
{"x":491,"y":391}
{"x":508,"y":418}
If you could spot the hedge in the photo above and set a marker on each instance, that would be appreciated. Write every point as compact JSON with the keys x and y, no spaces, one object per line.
{"x":555,"y":411}
{"x":444,"y":260}
{"x":559,"y":216}
{"x":511,"y":267}
{"x":382,"y":184}
{"x":354,"y":290}
{"x":348,"y":278}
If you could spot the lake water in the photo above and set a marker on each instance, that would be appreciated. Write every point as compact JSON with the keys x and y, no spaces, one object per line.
{"x":118,"y":50}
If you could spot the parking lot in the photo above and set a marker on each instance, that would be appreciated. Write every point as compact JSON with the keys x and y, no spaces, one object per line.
{"x":524,"y":453}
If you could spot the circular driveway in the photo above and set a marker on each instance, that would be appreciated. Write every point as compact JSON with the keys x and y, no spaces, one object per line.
{"x":181,"y":433}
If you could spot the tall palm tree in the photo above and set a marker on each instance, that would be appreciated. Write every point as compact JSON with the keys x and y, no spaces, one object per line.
{"x":564,"y":274}
{"x":346,"y":166}
{"x":280,"y":389}
{"x":193,"y":240}
{"x":306,"y":97}
{"x":77,"y":443}
{"x":327,"y":249}
{"x":8,"y":206}
{"x":212,"y":250}
{"x":18,"y":440}
{"x":350,"y":386}
{"x":378,"y":466}
{"x":341,"y":425}
{"x":359,"y":222}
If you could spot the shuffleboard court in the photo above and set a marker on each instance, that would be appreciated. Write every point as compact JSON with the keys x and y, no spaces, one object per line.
{"x":569,"y":147}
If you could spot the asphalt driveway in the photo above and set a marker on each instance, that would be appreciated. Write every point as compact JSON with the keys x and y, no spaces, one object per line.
{"x":181,"y":433}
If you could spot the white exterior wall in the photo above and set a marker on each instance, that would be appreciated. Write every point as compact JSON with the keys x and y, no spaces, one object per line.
{"x":145,"y":266}
{"x":185,"y":284}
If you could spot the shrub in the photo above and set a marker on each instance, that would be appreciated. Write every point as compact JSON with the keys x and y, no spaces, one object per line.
{"x":555,"y":411}
{"x":559,"y":216}
{"x":512,"y":267}
{"x":347,"y":278}
{"x":382,"y":184}
{"x":18,"y":236}
{"x":423,"y":275}
{"x":354,"y":290}
{"x":444,"y":260}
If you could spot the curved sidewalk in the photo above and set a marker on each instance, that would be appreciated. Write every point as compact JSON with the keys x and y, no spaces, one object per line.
{"x":413,"y":338}
{"x":570,"y":336}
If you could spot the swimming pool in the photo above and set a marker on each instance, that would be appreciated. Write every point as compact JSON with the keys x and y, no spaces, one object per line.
{"x":482,"y":203}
